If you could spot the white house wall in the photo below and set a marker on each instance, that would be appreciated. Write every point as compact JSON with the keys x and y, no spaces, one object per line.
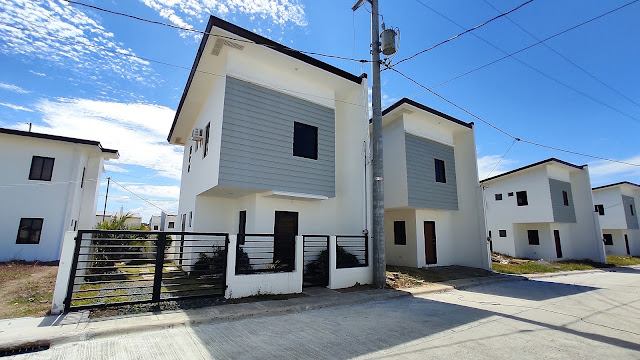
{"x":611,"y":199}
{"x":395,"y":166}
{"x":405,"y":255}
{"x":587,"y":233}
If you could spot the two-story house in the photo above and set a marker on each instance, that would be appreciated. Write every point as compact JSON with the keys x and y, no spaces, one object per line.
{"x":433,"y":202}
{"x":170,"y":221}
{"x":616,"y":207}
{"x":48,"y":185}
{"x":274,"y":143}
{"x":543,"y":210}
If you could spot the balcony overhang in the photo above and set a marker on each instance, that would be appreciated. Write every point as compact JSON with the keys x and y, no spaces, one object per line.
{"x":295,"y":196}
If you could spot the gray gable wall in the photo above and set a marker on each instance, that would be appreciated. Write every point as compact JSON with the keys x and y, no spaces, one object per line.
{"x":561,"y":212}
{"x":423,"y":190}
{"x":257,"y":141}
{"x":632,"y":220}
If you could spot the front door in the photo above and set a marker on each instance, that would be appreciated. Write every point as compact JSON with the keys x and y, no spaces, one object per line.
{"x":430,"y":242}
{"x":285,"y":230}
{"x":556,"y":235}
{"x":626,"y":242}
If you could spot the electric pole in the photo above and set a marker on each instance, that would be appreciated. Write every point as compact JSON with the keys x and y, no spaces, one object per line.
{"x":379,"y":259}
{"x":106,"y":197}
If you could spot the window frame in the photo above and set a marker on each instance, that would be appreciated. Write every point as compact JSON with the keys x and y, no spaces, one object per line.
{"x":565,"y":198}
{"x":600,"y":209}
{"x":190,"y":153}
{"x":607,"y":239}
{"x":535,"y":241}
{"x":399,"y":232}
{"x":301,"y":150}
{"x":522,"y":195}
{"x":205,"y":151}
{"x":171,"y":225}
{"x":40,"y":176}
{"x":21,"y":241}
{"x":631,"y":208}
{"x":498,"y":197}
{"x":502,"y":233}
{"x":441,"y":171}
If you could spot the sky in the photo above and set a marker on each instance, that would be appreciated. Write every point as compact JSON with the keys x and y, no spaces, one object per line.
{"x":75,"y":71}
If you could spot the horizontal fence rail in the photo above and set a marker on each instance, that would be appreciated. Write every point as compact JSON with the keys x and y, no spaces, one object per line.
{"x":352,"y":251}
{"x":316,"y":260}
{"x":265,"y":253}
{"x":119,"y":267}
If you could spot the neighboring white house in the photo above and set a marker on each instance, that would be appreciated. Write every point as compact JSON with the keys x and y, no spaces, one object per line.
{"x":543,"y":210}
{"x":171,"y":223}
{"x":49,"y":185}
{"x":433,"y":202}
{"x":616,"y":207}
{"x":134,"y":221}
{"x":274,"y":143}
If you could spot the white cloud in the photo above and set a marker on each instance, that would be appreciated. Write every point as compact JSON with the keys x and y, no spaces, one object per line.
{"x":488,"y":162}
{"x":114,"y":168}
{"x":37,"y":73}
{"x":154,"y":191}
{"x":16,"y":107}
{"x":604,"y":172}
{"x":138,"y":131}
{"x":14,"y":88}
{"x":57,"y":32}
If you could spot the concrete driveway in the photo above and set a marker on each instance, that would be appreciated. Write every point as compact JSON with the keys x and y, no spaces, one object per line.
{"x":578,"y":316}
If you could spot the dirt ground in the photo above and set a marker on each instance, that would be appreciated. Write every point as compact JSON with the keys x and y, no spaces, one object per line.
{"x":27,"y":288}
{"x":404,"y":277}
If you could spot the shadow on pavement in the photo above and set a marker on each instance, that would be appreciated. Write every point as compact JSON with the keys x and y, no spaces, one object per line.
{"x":535,"y":290}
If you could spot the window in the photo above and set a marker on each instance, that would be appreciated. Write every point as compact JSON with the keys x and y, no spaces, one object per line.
{"x":206,"y":140}
{"x":172,"y":225}
{"x":521,"y":197}
{"x":608,"y":239}
{"x":502,"y":233}
{"x":565,"y":198}
{"x":190,"y":152}
{"x":29,"y":231}
{"x":399,"y":233}
{"x":600,"y":209}
{"x":498,"y":197}
{"x":510,"y":194}
{"x":155,"y":227}
{"x":489,"y":234}
{"x":41,"y":168}
{"x":441,"y":177}
{"x":305,"y":141}
{"x":631,"y":208}
{"x":190,"y":217}
{"x":84,"y":170}
{"x":534,"y":239}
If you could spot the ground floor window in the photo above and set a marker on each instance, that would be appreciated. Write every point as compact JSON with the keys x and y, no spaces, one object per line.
{"x":399,"y":233}
{"x":502,"y":233}
{"x":534,"y":238}
{"x":608,"y":239}
{"x":29,"y":231}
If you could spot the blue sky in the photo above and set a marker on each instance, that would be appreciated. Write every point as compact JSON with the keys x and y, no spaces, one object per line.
{"x":65,"y":69}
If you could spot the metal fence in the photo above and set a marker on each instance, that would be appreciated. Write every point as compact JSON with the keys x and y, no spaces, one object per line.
{"x":118,"y":267}
{"x":316,"y":260}
{"x":265,"y":253}
{"x":352,"y":251}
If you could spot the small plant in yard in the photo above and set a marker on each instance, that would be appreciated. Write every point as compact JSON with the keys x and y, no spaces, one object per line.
{"x":318,"y":269}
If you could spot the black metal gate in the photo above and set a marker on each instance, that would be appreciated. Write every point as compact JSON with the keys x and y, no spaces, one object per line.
{"x":119,"y":267}
{"x":316,"y":260}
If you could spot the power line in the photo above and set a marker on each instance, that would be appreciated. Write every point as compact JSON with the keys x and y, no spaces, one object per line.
{"x":210,"y":34}
{"x":464,"y":32}
{"x":529,"y":66}
{"x":499,"y":161}
{"x":507,"y":133}
{"x":564,"y":57}
{"x":138,"y":196}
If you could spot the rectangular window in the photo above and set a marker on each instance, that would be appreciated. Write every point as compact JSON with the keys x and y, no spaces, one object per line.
{"x":190,"y":217}
{"x":534,"y":238}
{"x":565,"y":198}
{"x":510,"y":194}
{"x":29,"y":231}
{"x":305,"y":141}
{"x":171,"y":225}
{"x":498,"y":197}
{"x":190,"y":152}
{"x":600,"y":209}
{"x":441,"y":177}
{"x":41,"y":168}
{"x":521,"y":197}
{"x":502,"y":233}
{"x":489,"y":233}
{"x":206,"y":140}
{"x":608,"y":239}
{"x":631,"y":208}
{"x":84,"y":170}
{"x":155,"y":227}
{"x":399,"y":233}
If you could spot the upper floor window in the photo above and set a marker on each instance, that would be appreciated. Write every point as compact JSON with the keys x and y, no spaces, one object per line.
{"x":600,"y":209}
{"x":29,"y":231}
{"x":155,"y":227}
{"x":206,"y":140}
{"x":41,"y":168}
{"x":608,"y":239}
{"x":84,"y":170}
{"x":502,"y":233}
{"x":190,"y":152}
{"x":171,"y":225}
{"x":399,"y":233}
{"x":534,"y":238}
{"x":498,"y":197}
{"x":631,"y":208}
{"x":441,"y":177}
{"x":510,"y":194}
{"x":305,"y":141}
{"x":521,"y":197}
{"x":565,"y":198}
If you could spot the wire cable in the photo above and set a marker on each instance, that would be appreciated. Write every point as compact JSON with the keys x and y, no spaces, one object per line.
{"x":464,"y":32}
{"x":138,"y":196}
{"x":507,"y":133}
{"x":499,"y":161}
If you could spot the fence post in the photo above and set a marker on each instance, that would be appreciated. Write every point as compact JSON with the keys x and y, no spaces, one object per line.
{"x":366,"y":250}
{"x":230,"y":271}
{"x":157,"y":274}
{"x":66,"y":271}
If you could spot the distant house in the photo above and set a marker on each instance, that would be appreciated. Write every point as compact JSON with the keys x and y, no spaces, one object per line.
{"x":433,"y":203}
{"x":171,"y":223}
{"x":543,"y":210}
{"x":134,"y":220}
{"x":617,"y":211}
{"x":49,"y":185}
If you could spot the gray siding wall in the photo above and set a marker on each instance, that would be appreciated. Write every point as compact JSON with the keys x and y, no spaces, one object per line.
{"x":257,"y":141}
{"x":632,"y":220}
{"x":561,"y":212}
{"x":424,"y":191}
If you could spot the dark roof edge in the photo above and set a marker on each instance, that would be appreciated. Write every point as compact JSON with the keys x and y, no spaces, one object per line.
{"x":616,"y":184}
{"x":258,"y":39}
{"x":57,"y":138}
{"x":535,"y":164}
{"x":427,"y":109}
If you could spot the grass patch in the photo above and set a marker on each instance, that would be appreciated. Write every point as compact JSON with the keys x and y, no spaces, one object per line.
{"x":623,"y":260}
{"x":523,"y":266}
{"x":528,"y":268}
{"x":27,"y":288}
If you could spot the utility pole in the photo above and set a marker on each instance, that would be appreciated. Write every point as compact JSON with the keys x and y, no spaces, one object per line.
{"x":379,"y":258}
{"x":104,"y":212}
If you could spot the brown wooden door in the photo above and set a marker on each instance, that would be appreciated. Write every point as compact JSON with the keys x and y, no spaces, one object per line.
{"x":285,"y":230}
{"x":556,"y":235}
{"x":430,"y":242}
{"x":626,"y":242}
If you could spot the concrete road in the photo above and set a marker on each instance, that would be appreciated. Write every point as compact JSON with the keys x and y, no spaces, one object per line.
{"x":579,"y":316}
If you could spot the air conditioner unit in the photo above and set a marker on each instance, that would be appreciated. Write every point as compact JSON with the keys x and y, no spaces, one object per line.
{"x":196,"y":134}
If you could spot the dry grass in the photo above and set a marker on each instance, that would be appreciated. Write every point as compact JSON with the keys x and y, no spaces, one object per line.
{"x":623,"y":260}
{"x":509,"y":265}
{"x":403,"y":276}
{"x":27,"y":288}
